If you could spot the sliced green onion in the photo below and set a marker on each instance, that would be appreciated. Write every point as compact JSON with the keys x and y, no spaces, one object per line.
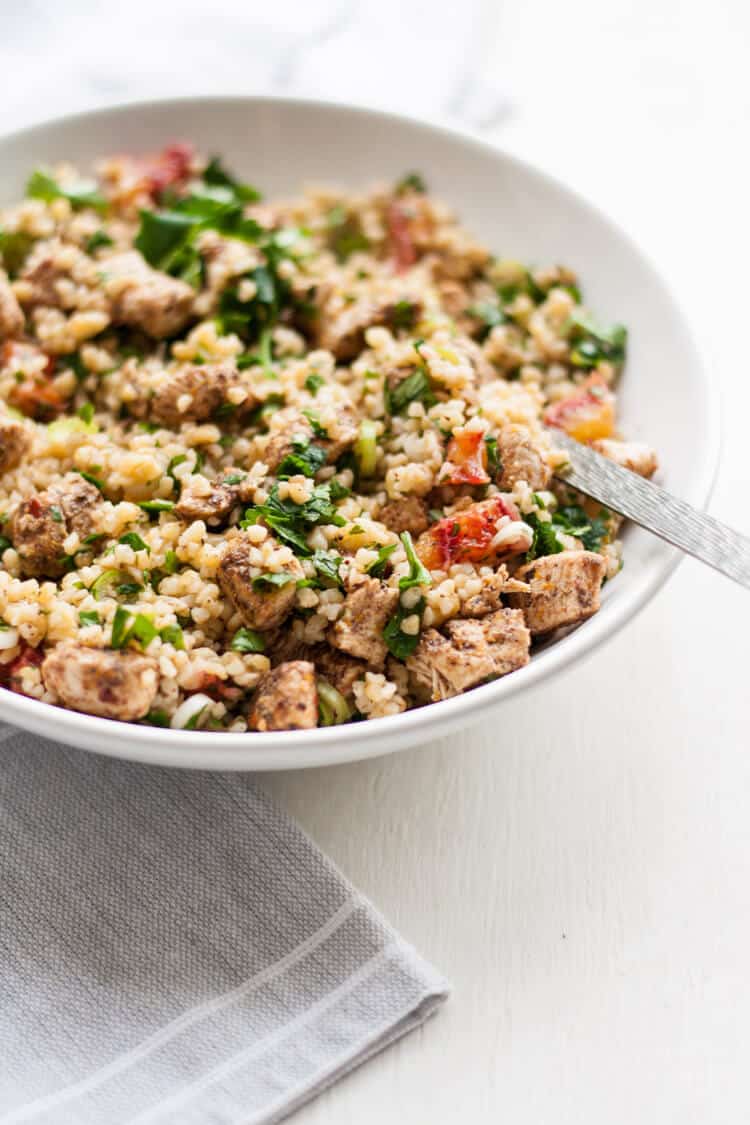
{"x":189,"y":712}
{"x":366,"y":447}
{"x":99,"y":585}
{"x":332,"y":707}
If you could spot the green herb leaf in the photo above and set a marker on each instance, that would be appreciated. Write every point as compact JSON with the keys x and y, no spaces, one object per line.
{"x":418,"y":574}
{"x":545,"y":541}
{"x":88,"y":617}
{"x":404,"y":315}
{"x":376,"y":569}
{"x":267,"y":583}
{"x":83,"y":194}
{"x":292,"y":522}
{"x":96,"y":481}
{"x":127,"y":627}
{"x":14,"y":248}
{"x":86,"y":412}
{"x":594,"y":343}
{"x":247,"y":640}
{"x":414,"y":388}
{"x":132,"y":539}
{"x":157,"y":719}
{"x":98,"y":239}
{"x":217,"y":176}
{"x":412,"y":181}
{"x":402,"y":645}
{"x":306,"y":459}
{"x":488,"y":315}
{"x":494,"y":463}
{"x":314,"y":382}
{"x":55,"y":513}
{"x":4,"y":543}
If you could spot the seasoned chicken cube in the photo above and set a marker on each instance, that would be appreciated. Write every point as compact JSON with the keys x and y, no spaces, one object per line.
{"x":40,"y":525}
{"x":11,"y":316}
{"x":144,"y":298}
{"x":564,"y":589}
{"x":262,"y":603}
{"x":213,"y":507}
{"x":116,"y":685}
{"x":471,"y":653}
{"x":338,"y":669}
{"x":196,"y":393}
{"x":520,"y":459}
{"x":634,"y":455}
{"x":359,"y":629}
{"x":343,"y":333}
{"x":40,"y":276}
{"x":286,"y":698}
{"x":407,"y":514}
{"x":15,"y":441}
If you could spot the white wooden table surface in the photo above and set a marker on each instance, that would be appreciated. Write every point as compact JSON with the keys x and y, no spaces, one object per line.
{"x":580,"y":868}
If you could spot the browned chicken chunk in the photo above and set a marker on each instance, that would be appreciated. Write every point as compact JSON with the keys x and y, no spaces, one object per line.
{"x":262,"y":604}
{"x":195,"y":394}
{"x":564,"y":589}
{"x":341,"y":671}
{"x":40,"y":525}
{"x":40,"y":275}
{"x":520,"y":460}
{"x":407,"y":514}
{"x":634,"y":455}
{"x":344,"y":333}
{"x":359,"y":629}
{"x":214,"y":507}
{"x":11,"y":316}
{"x":286,"y":698}
{"x":472,"y":652}
{"x":144,"y":298}
{"x":15,"y":441}
{"x":116,"y":685}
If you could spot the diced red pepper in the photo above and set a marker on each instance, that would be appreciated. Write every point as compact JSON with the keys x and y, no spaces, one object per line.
{"x":466,"y":459}
{"x":467,"y":536}
{"x":219,"y":689}
{"x":403,"y":250}
{"x":37,"y":399}
{"x":586,"y":415}
{"x":168,"y":168}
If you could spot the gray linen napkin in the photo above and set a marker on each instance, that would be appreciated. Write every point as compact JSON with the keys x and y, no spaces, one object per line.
{"x":174,"y":949}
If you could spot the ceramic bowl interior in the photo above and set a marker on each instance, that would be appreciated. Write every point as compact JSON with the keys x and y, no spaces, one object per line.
{"x":516,"y":210}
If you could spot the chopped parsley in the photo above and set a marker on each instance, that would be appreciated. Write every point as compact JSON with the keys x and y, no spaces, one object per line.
{"x":488,"y":315}
{"x":293,"y":522}
{"x":55,"y":513}
{"x":88,"y":617}
{"x":319,"y":430}
{"x":234,"y":478}
{"x":98,"y":239}
{"x":267,"y":583}
{"x":569,"y":520}
{"x":305,"y":459}
{"x":157,"y":719}
{"x":414,"y":388}
{"x":86,"y":412}
{"x":326,"y":572}
{"x":4,"y":543}
{"x":85,"y":193}
{"x":545,"y":541}
{"x":14,"y":248}
{"x":247,"y":640}
{"x":402,"y":645}
{"x":592,"y":343}
{"x":345,"y":235}
{"x":132,"y":539}
{"x":96,"y":481}
{"x":376,"y":569}
{"x":412,"y":181}
{"x":216,"y":175}
{"x":418,"y":574}
{"x":404,"y":315}
{"x":494,"y":463}
{"x":314,"y":382}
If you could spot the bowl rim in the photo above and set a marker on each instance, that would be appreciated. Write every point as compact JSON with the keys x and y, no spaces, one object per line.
{"x":280,"y":750}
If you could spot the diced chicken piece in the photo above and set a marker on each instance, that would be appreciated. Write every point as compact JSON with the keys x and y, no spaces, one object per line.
{"x":344,"y":333}
{"x":564,"y":589}
{"x":340,"y":671}
{"x":634,"y":455}
{"x":359,"y":629}
{"x":488,"y":598}
{"x":286,"y":698}
{"x":213,"y":507}
{"x":196,"y":393}
{"x":486,"y":532}
{"x":342,"y":434}
{"x":115,"y":685}
{"x":471,"y":653}
{"x":40,"y":525}
{"x":520,"y":459}
{"x":11,"y":316}
{"x":78,"y":499}
{"x":407,"y":514}
{"x":144,"y":298}
{"x":15,"y":441}
{"x":40,"y":276}
{"x":262,"y":606}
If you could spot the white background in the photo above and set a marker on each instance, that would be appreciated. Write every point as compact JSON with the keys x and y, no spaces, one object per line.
{"x":580,"y":868}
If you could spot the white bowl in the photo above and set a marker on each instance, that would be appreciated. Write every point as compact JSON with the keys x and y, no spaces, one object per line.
{"x":281,"y":144}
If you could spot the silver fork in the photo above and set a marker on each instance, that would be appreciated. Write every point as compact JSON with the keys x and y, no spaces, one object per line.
{"x":652,"y":507}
